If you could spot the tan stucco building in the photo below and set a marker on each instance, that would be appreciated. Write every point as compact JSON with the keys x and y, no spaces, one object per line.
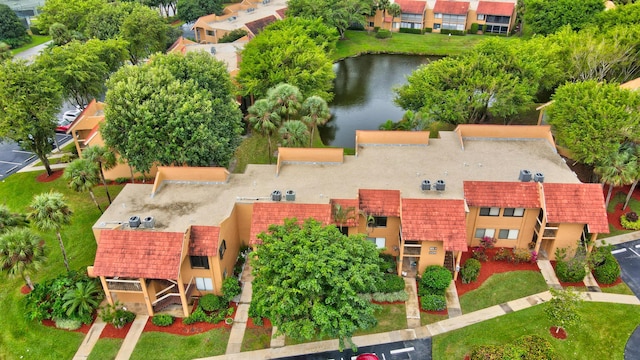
{"x":423,"y":200}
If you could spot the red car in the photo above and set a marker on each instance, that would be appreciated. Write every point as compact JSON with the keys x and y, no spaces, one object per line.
{"x":367,"y":357}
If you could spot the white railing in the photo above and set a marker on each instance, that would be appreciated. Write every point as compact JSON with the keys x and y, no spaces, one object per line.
{"x":124,"y":285}
{"x":165,"y":290}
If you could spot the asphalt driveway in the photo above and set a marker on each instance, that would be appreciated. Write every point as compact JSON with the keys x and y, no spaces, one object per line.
{"x":628,"y":256}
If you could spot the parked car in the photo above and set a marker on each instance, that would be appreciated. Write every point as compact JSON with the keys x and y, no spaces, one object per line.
{"x":367,"y":357}
{"x":71,"y":114}
{"x":63,"y":125}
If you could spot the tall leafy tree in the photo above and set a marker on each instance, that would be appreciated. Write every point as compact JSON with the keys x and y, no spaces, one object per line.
{"x":315,"y":113}
{"x":562,"y":309}
{"x":154,"y":117}
{"x":191,"y":10}
{"x":294,"y":133}
{"x":12,"y":31}
{"x":324,"y":36}
{"x":83,"y":175}
{"x":105,"y":22}
{"x":21,"y":253}
{"x":594,"y":119}
{"x":289,"y":56}
{"x":30,"y":100}
{"x":145,"y":31}
{"x":74,"y":14}
{"x":336,"y":13}
{"x":263,"y":119}
{"x":308,"y":277}
{"x":49,"y":211}
{"x":547,"y":16}
{"x":104,"y":158}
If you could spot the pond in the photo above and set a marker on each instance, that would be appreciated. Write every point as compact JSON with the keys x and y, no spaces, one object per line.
{"x":364,"y":94}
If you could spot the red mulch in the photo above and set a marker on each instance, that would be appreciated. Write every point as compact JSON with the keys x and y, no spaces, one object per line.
{"x":24,"y":290}
{"x":179,"y":328}
{"x":43,"y":178}
{"x":83,"y":329}
{"x":112,"y":333}
{"x":614,"y":217}
{"x":489,"y":268}
{"x":266,"y":324}
{"x":561,"y":334}
{"x":387,"y":302}
{"x":618,"y":281}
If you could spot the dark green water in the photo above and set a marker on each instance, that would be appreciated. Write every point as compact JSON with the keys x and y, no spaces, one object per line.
{"x":364,"y":95}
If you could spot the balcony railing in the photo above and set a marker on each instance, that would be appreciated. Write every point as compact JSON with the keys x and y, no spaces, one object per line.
{"x":124,"y":285}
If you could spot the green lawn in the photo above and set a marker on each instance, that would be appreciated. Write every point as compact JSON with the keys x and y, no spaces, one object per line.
{"x":35,"y":41}
{"x":253,"y":150}
{"x":426,"y":318}
{"x":256,"y":339}
{"x":602,"y":333}
{"x":500,"y":288}
{"x":19,"y":337}
{"x":619,"y":198}
{"x":621,"y":288}
{"x":361,"y":42}
{"x":159,"y":346}
{"x":105,"y":349}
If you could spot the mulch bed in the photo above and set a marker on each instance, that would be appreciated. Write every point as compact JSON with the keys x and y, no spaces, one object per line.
{"x":266,"y":324}
{"x":111,"y":332}
{"x":179,"y":328}
{"x":614,"y":217}
{"x":618,"y":281}
{"x":560,"y":334}
{"x":83,"y":329}
{"x":44,"y":178}
{"x":489,"y":268}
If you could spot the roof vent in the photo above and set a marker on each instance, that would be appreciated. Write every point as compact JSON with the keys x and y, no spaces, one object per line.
{"x":134,"y":222}
{"x":426,"y":185}
{"x":276,"y":195}
{"x":538,"y":177}
{"x":290,"y":195}
{"x":149,"y":222}
{"x":440,"y":185}
{"x":525,"y":175}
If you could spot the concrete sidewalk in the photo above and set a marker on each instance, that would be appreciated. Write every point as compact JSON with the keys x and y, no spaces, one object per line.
{"x":546,"y":269}
{"x":130,"y":341}
{"x":619,"y":239}
{"x":90,"y":340}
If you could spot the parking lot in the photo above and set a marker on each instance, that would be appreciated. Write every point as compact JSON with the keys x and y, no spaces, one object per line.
{"x":13,"y":158}
{"x":628,"y":255}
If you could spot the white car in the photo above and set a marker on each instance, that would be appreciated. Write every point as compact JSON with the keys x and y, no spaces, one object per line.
{"x":71,"y":114}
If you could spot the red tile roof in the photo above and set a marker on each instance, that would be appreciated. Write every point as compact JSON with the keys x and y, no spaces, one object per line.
{"x":256,"y":26}
{"x":495,"y":8}
{"x":281,"y":13}
{"x":346,"y":203}
{"x":576,"y":203}
{"x":139,"y":254}
{"x":204,"y":240}
{"x":380,"y":202}
{"x":274,"y":213}
{"x":451,"y":7}
{"x":502,"y":194}
{"x":412,"y":6}
{"x":435,"y":220}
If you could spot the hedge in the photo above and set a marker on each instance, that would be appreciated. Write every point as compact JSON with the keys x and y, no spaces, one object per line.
{"x":453,"y":32}
{"x":470,"y":271}
{"x":529,"y":347}
{"x":391,"y":283}
{"x":162,"y":320}
{"x":435,"y":280}
{"x":573,"y":270}
{"x":411,"y":31}
{"x":383,"y":34}
{"x":629,"y":223}
{"x":433,"y":302}
{"x":607,"y":272}
{"x":210,"y":302}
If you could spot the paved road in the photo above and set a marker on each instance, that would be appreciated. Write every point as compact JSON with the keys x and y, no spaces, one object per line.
{"x":628,"y":255}
{"x":13,"y":158}
{"x":402,"y":350}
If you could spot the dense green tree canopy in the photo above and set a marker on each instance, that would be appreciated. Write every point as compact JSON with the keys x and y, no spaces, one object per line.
{"x":191,"y":10}
{"x":621,"y":15}
{"x":285,"y":55}
{"x":74,"y":14}
{"x":12,"y":32}
{"x":30,"y":100}
{"x":156,"y":116}
{"x":5,"y":51}
{"x":324,"y":36}
{"x":308,"y":277}
{"x":594,"y":119}
{"x":105,"y":22}
{"x":339,"y":14}
{"x":547,"y":16}
{"x":145,"y":31}
{"x":21,"y":253}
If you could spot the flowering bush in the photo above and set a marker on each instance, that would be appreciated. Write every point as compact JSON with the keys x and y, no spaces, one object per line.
{"x":627,"y":221}
{"x":487,"y":242}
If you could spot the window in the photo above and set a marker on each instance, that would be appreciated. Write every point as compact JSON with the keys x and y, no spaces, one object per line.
{"x":480,"y":233}
{"x":489,"y":211}
{"x":396,"y":25}
{"x":380,"y":221}
{"x":515,"y":212}
{"x":371,"y":24}
{"x":438,"y":16}
{"x":205,"y":284}
{"x":380,"y":242}
{"x":211,"y":33}
{"x":199,"y":262}
{"x":509,"y":234}
{"x":436,"y":26}
{"x":480,"y":16}
{"x":223,"y":248}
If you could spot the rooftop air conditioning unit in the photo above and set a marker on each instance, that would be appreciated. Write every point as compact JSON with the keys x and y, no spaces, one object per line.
{"x":233,"y":18}
{"x":426,"y":185}
{"x":525,"y":175}
{"x":134,"y":222}
{"x":440,"y":185}
{"x":538,"y":177}
{"x":149,"y":222}
{"x":290,"y":195}
{"x":276,"y":195}
{"x":250,"y":10}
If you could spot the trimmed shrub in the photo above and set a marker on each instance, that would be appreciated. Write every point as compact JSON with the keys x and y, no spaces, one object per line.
{"x":435,"y":280}
{"x":474,"y":28}
{"x":521,"y":256}
{"x":162,"y":320}
{"x":529,"y":347}
{"x":122,"y":180}
{"x":428,"y":30}
{"x":230,"y":311}
{"x":230,"y":288}
{"x":479,"y":254}
{"x":376,"y":28}
{"x":233,"y":36}
{"x":502,"y":255}
{"x":536,"y":348}
{"x":470,"y":271}
{"x":383,"y":34}
{"x":216,"y":317}
{"x":391,"y":283}
{"x":410,"y":31}
{"x":453,"y":32}
{"x":433,"y":302}
{"x":571,"y":271}
{"x":609,"y":271}
{"x":210,"y":302}
{"x":198,"y":315}
{"x":116,"y":315}
{"x":627,"y":223}
{"x":67,"y":324}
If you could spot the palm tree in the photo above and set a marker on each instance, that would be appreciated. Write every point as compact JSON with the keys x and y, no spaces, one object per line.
{"x":49,"y":211}
{"x":9,"y":219}
{"x":264,"y":120}
{"x":285,"y":99}
{"x":316,"y":113}
{"x":619,"y":170}
{"x":294,"y":133}
{"x":21,"y":253}
{"x":104,"y":158}
{"x":81,"y":301}
{"x":394,"y":10}
{"x":383,"y":5}
{"x":83,"y":175}
{"x":343,"y":214}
